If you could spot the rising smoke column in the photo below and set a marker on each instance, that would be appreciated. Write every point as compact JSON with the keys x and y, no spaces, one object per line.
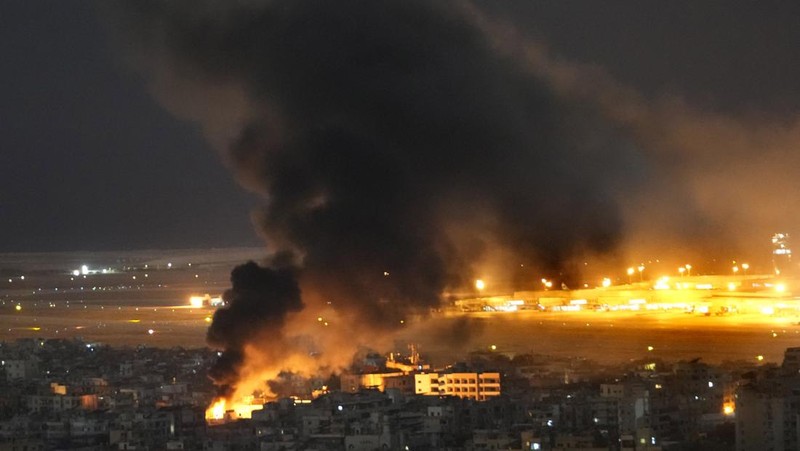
{"x":259,"y":299}
{"x":394,"y":147}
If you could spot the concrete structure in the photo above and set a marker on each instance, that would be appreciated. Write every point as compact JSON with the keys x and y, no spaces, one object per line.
{"x":21,"y":369}
{"x":352,"y":383}
{"x":477,"y":386}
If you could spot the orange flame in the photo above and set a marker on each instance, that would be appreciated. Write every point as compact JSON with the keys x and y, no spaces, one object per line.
{"x":220,"y":410}
{"x":728,"y":408}
{"x":216,"y":411}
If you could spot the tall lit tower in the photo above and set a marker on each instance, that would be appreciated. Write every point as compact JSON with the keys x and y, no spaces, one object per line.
{"x":781,"y":253}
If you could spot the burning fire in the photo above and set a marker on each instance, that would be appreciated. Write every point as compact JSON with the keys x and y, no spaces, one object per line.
{"x":728,"y":408}
{"x":196,"y":301}
{"x":220,"y":411}
{"x":216,"y":411}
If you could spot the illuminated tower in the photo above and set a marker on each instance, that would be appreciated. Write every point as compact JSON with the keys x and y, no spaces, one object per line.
{"x":781,"y":253}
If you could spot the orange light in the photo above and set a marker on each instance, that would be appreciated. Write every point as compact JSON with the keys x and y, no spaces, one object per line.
{"x":196,"y":301}
{"x":728,"y":408}
{"x":217,"y":410}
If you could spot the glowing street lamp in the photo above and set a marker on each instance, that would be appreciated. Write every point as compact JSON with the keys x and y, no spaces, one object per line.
{"x":606,"y":282}
{"x":735,"y":269}
{"x":688,"y":269}
{"x":630,"y":273}
{"x":682,"y":270}
{"x":745,"y":267}
{"x":641,"y":269}
{"x":547,"y":284}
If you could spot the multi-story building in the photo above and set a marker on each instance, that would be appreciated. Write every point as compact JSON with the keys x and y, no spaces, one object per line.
{"x":477,"y":386}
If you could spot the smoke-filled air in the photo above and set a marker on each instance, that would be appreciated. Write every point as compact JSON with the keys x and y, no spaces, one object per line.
{"x":403,"y":148}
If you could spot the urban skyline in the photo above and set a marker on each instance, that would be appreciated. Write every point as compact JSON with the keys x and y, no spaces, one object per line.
{"x":302,"y":191}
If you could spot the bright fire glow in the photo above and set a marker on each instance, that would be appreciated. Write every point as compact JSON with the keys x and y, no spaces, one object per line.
{"x":196,"y":301}
{"x":217,"y":410}
{"x":728,"y":408}
{"x":220,"y":411}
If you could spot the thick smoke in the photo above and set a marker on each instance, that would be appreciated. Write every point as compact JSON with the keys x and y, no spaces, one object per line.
{"x":398,"y":152}
{"x":259,"y":299}
{"x":714,"y":187}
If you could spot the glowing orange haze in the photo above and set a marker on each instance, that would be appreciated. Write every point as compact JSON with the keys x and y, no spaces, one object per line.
{"x":314,"y":347}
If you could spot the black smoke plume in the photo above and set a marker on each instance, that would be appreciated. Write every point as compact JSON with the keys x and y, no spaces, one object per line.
{"x":395,"y":149}
{"x":259,"y":299}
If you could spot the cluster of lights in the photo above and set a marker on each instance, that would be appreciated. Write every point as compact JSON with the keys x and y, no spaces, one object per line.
{"x":631,"y":270}
{"x":744,"y":267}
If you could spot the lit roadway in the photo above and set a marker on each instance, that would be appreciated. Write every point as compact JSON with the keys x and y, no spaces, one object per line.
{"x":152,"y":309}
{"x":603,"y":336}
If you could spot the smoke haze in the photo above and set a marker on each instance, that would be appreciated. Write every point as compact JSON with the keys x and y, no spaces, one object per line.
{"x":403,"y":148}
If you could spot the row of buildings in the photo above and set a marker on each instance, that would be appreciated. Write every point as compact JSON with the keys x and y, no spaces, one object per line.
{"x":71,"y":395}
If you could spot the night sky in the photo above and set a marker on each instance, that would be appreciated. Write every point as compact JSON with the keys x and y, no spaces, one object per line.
{"x":92,"y":160}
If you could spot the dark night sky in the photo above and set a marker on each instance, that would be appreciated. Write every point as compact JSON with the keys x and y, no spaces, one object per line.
{"x":90,"y":160}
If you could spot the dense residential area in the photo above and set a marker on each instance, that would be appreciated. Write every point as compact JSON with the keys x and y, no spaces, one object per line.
{"x":72,"y":395}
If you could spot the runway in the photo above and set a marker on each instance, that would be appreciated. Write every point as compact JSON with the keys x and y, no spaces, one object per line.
{"x":144,"y":301}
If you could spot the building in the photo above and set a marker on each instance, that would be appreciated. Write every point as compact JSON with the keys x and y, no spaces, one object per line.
{"x":21,"y":369}
{"x":476,"y":386}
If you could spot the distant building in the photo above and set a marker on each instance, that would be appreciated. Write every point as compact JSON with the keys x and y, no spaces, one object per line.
{"x":768,"y":408}
{"x":354,"y":382}
{"x":791,"y":360}
{"x":476,"y":386}
{"x":765,"y":419}
{"x":21,"y":369}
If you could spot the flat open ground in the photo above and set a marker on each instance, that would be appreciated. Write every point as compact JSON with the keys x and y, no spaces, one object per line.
{"x":619,"y":336}
{"x":122,"y":308}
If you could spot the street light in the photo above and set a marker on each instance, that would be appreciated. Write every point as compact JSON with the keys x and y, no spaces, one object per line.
{"x":745,"y":267}
{"x":688,"y":269}
{"x":735,"y":269}
{"x":630,"y":273}
{"x":682,"y":270}
{"x":640,"y":268}
{"x":480,"y":285}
